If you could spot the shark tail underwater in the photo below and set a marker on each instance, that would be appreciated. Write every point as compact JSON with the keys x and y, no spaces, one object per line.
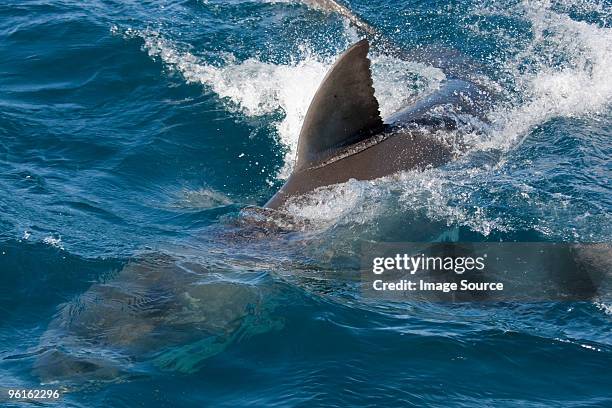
{"x":343,"y":136}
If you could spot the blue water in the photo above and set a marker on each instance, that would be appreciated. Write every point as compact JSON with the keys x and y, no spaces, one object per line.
{"x":134,"y":134}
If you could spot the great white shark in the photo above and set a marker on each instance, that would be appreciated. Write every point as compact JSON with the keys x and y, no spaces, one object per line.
{"x":343,"y":136}
{"x":175,"y":311}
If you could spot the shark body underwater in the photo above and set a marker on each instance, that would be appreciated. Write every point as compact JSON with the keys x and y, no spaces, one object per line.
{"x":343,"y":136}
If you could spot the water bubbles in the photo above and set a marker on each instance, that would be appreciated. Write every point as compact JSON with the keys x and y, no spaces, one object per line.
{"x":54,"y":241}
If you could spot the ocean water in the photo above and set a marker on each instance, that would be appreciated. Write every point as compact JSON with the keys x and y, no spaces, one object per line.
{"x":138,"y":138}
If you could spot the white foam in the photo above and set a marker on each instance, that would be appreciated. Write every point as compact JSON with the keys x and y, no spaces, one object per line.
{"x":439,"y":195}
{"x":251,"y":87}
{"x":256,"y":88}
{"x":604,"y":307}
{"x":579,"y":85}
{"x":448,"y":197}
{"x":55,"y":242}
{"x":355,"y":200}
{"x":398,"y":83}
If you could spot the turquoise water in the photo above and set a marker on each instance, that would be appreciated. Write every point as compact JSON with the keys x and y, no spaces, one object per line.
{"x":134,"y":134}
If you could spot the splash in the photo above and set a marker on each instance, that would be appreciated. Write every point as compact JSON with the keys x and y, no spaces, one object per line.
{"x":562,"y":69}
{"x":604,"y":307}
{"x":256,"y":88}
{"x":55,"y":242}
{"x":330,"y":205}
{"x":438,"y":195}
{"x":250,"y":87}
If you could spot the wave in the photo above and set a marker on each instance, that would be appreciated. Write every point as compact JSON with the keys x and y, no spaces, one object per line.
{"x":256,"y":88}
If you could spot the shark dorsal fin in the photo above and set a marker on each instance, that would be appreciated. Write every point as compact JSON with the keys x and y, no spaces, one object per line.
{"x":343,"y":111}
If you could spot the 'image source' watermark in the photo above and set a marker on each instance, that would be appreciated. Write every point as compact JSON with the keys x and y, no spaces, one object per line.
{"x":486,"y":271}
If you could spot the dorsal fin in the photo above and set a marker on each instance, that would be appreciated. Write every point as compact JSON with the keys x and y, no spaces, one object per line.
{"x":343,"y":110}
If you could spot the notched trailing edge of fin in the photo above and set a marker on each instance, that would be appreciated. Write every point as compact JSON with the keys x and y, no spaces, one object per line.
{"x":343,"y":111}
